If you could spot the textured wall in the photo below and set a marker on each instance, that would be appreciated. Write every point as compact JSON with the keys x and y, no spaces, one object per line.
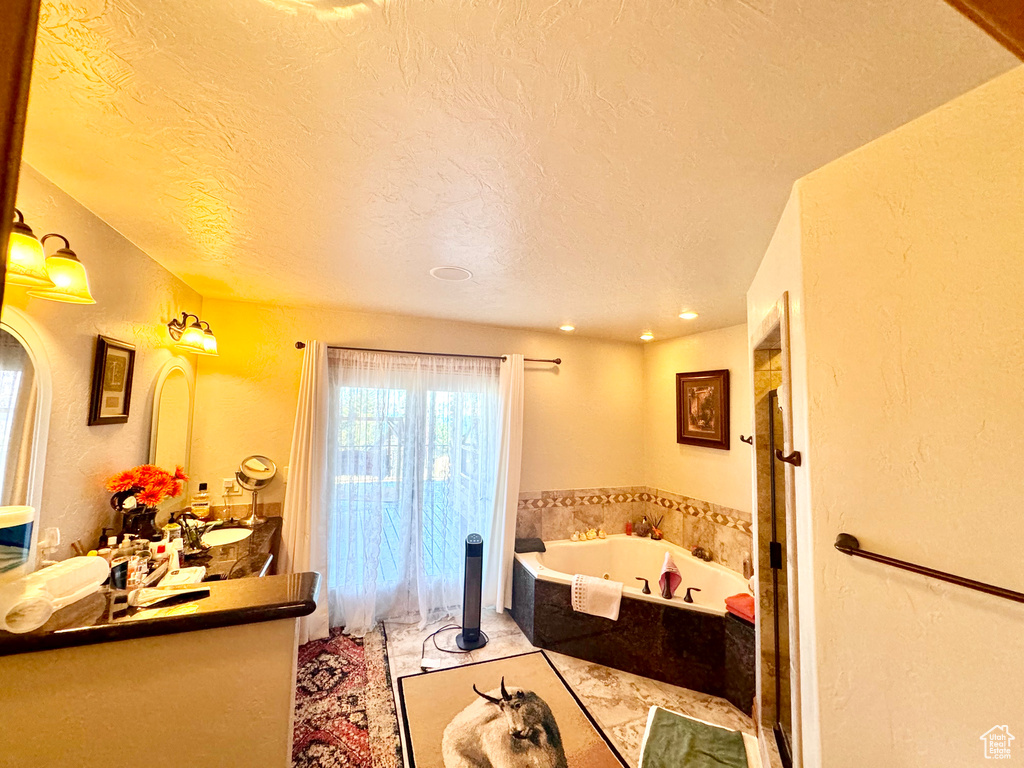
{"x":582,"y":423}
{"x":135,"y":297}
{"x":910,"y":254}
{"x":721,"y":477}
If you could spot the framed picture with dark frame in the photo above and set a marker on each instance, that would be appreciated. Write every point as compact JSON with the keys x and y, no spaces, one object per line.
{"x":112,"y":370}
{"x":702,"y":409}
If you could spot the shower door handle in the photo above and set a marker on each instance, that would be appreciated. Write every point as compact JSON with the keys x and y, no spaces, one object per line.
{"x":793,"y":458}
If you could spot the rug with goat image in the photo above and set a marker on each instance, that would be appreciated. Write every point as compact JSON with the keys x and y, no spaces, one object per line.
{"x":516,"y":711}
{"x":344,"y":707}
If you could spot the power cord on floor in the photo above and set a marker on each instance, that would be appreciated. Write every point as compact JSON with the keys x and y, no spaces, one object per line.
{"x":433,"y":636}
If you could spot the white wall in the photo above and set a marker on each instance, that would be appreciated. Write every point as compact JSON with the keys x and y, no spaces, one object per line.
{"x":721,"y":477}
{"x":582,"y":425}
{"x":135,"y":297}
{"x":910,"y":262}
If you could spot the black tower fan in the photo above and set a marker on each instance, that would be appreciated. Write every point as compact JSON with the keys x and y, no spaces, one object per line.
{"x":471,"y":638}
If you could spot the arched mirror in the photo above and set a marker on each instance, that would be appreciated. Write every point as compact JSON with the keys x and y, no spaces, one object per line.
{"x":18,"y":404}
{"x":24,"y":423}
{"x":171,"y":431}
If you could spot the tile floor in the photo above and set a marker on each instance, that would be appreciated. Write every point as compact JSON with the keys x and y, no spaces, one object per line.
{"x":617,"y":700}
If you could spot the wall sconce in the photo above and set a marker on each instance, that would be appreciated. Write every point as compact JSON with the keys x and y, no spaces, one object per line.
{"x":69,"y":282}
{"x":26,"y":260}
{"x":193,"y":337}
{"x":58,"y":277}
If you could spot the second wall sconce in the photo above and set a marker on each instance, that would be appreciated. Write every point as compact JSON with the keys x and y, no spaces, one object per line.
{"x":195,"y":337}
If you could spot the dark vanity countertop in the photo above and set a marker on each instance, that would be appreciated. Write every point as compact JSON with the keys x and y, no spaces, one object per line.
{"x":230,"y":602}
{"x":266,"y":538}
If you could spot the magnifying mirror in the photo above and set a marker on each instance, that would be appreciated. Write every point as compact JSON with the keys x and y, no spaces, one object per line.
{"x":255,"y":474}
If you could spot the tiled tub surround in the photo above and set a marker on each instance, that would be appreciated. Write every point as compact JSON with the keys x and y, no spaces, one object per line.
{"x":676,"y":645}
{"x":688,"y":522}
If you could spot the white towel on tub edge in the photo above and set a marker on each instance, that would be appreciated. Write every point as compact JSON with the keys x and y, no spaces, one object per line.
{"x":598,"y":597}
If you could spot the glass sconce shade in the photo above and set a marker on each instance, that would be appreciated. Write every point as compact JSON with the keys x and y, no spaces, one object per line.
{"x":26,"y":260}
{"x":192,"y":340}
{"x":209,"y":342}
{"x":68,"y":276}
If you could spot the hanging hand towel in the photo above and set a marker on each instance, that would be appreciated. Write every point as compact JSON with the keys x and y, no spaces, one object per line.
{"x":598,"y":597}
{"x":669,"y":573}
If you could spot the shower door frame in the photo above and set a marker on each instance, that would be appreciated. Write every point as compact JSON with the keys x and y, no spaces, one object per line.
{"x":773,"y":331}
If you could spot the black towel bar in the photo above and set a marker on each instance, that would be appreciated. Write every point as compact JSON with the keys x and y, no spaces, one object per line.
{"x":849,"y":545}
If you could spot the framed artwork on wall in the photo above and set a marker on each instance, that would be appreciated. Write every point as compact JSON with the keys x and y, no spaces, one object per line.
{"x":702,"y":409}
{"x":111,"y":381}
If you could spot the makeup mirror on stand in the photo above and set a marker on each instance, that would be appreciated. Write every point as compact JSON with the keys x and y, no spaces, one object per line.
{"x":255,"y":474}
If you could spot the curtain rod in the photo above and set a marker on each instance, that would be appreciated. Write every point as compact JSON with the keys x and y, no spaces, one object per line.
{"x":554,"y":361}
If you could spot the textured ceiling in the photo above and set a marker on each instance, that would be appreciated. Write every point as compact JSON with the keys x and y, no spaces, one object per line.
{"x":604,"y":162}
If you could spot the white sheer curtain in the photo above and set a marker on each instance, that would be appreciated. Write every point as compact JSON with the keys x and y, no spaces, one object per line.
{"x":305,"y":535}
{"x":411,"y":471}
{"x":501,"y":545}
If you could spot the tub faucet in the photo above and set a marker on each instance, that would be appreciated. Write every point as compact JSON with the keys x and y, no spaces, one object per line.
{"x":647,"y":587}
{"x":689,"y":598}
{"x":666,"y":589}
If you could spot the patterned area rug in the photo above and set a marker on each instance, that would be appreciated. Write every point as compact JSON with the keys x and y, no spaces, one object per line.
{"x":344,"y":705}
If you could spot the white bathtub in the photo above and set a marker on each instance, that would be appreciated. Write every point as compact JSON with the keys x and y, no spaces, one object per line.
{"x":622,"y":558}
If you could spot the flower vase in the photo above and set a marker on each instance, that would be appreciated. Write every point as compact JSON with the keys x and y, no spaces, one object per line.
{"x":142,"y":524}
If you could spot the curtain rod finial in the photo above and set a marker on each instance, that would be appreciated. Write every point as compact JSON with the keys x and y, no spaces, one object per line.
{"x":300,"y":345}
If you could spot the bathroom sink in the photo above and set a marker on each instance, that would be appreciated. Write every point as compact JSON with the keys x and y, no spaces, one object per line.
{"x":220,"y":536}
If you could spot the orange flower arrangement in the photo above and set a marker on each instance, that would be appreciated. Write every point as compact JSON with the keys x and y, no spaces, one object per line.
{"x":149,"y":484}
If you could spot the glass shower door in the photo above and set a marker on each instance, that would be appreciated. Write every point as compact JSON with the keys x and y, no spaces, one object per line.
{"x":783,"y":725}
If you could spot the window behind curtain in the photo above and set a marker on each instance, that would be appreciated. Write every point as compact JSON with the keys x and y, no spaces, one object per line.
{"x":412,"y":466}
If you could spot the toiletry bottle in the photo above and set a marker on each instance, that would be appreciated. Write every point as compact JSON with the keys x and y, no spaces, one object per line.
{"x":201,"y":502}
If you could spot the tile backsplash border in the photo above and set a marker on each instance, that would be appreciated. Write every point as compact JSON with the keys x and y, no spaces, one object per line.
{"x":688,"y":522}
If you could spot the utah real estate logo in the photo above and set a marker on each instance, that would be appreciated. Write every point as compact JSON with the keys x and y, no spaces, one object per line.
{"x":997,"y":743}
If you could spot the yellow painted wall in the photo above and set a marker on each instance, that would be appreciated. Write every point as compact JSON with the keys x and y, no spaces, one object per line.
{"x":135,"y":298}
{"x":582,"y":425}
{"x":721,"y":477}
{"x":911,"y":263}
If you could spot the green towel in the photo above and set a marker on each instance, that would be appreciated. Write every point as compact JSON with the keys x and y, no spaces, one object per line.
{"x":675,"y":741}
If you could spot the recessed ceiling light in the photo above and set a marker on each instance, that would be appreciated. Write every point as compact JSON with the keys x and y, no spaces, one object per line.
{"x":451,"y":273}
{"x":646,"y":336}
{"x":567,"y":327}
{"x":688,"y":315}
